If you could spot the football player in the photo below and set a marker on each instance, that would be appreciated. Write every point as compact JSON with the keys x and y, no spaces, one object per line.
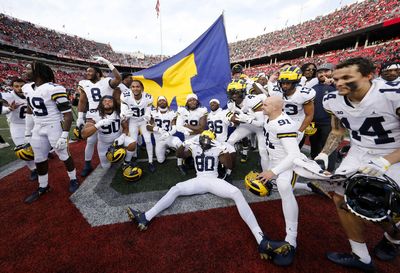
{"x":281,"y":138}
{"x":163,"y":126}
{"x":16,"y":112}
{"x":109,"y":127}
{"x":218,"y":122}
{"x":389,"y":72}
{"x":245,"y":111}
{"x":49,"y":127}
{"x":91,"y":91}
{"x":192,"y":119}
{"x":370,"y":111}
{"x":207,"y":152}
{"x":136,"y":106}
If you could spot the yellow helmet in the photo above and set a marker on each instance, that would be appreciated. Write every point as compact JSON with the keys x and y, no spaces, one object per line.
{"x":290,"y":74}
{"x":310,"y":130}
{"x":236,"y":86}
{"x":237,"y":68}
{"x":132,"y":174}
{"x":206,"y":138}
{"x":255,"y":186}
{"x":24,"y":152}
{"x":115,"y":153}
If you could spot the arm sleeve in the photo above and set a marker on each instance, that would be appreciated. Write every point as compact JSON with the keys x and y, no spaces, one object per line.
{"x":292,"y":149}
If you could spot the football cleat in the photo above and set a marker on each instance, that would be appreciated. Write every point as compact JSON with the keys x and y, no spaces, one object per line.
{"x":35,"y":195}
{"x":152,"y":167}
{"x":73,"y":185}
{"x":33,"y":175}
{"x":285,"y":259}
{"x":269,"y":248}
{"x":87,"y":169}
{"x":138,"y":217}
{"x":318,"y":190}
{"x":350,"y":260}
{"x":386,"y":250}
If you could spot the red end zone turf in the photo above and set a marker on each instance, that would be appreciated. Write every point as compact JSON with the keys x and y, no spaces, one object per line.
{"x":51,"y":235}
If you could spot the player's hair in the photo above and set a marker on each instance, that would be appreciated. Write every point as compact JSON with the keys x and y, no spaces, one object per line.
{"x":125,"y":75}
{"x":17,"y":80}
{"x":304,"y":67}
{"x":42,"y":71}
{"x":100,"y":107}
{"x":365,"y":66}
{"x":384,"y":65}
{"x":141,"y":84}
{"x":97,"y":70}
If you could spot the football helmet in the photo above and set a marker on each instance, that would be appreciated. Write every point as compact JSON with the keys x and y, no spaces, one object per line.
{"x":131,"y":173}
{"x":255,"y":186}
{"x":77,"y":131}
{"x":372,"y":198}
{"x":291,"y":74}
{"x":310,"y":130}
{"x":237,"y":68}
{"x":24,"y":152}
{"x":206,"y":138}
{"x":115,"y":153}
{"x":238,"y":86}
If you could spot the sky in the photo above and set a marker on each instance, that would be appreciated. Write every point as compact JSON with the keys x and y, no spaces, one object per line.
{"x":132,"y":25}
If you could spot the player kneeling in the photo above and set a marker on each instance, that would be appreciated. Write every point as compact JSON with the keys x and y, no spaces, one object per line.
{"x":107,"y":122}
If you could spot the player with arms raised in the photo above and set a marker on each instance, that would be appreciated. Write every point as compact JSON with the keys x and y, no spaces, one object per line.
{"x":91,"y":91}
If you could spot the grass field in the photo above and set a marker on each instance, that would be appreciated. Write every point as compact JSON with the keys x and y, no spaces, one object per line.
{"x":6,"y":154}
{"x":167,"y":175}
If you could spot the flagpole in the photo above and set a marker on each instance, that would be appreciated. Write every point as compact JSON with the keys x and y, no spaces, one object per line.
{"x":161,"y":43}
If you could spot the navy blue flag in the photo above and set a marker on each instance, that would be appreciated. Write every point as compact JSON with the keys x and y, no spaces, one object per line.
{"x":202,"y":68}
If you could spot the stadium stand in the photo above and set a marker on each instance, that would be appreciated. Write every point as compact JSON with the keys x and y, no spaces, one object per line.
{"x":344,"y":20}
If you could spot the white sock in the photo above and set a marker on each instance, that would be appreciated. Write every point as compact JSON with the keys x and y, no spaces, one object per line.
{"x":291,"y":233}
{"x":128,"y":156}
{"x":179,"y":161}
{"x":302,"y":186}
{"x":361,"y":250}
{"x":72,"y":174}
{"x":43,"y":180}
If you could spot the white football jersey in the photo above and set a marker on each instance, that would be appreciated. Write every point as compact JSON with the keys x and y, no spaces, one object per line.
{"x":219,"y":123}
{"x":95,"y":91}
{"x":373,"y":123}
{"x":294,"y":104}
{"x":18,"y":115}
{"x":206,"y":163}
{"x":163,"y":120}
{"x":137,"y":107}
{"x":192,"y":117}
{"x":47,"y":101}
{"x":274,"y":131}
{"x":111,"y":132}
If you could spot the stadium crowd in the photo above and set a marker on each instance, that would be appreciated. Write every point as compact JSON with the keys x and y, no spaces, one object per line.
{"x":30,"y":36}
{"x":343,"y":20}
{"x":116,"y":114}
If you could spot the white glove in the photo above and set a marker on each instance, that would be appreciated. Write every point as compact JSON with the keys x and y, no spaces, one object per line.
{"x":186,"y":131}
{"x":105,"y":61}
{"x":147,"y":118}
{"x":80,"y":122}
{"x":103,"y":122}
{"x":164,"y":135}
{"x":62,"y":141}
{"x":120,"y":140}
{"x":126,"y":114}
{"x":375,"y":167}
{"x":245,"y":118}
{"x":322,"y":158}
{"x":187,"y":143}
